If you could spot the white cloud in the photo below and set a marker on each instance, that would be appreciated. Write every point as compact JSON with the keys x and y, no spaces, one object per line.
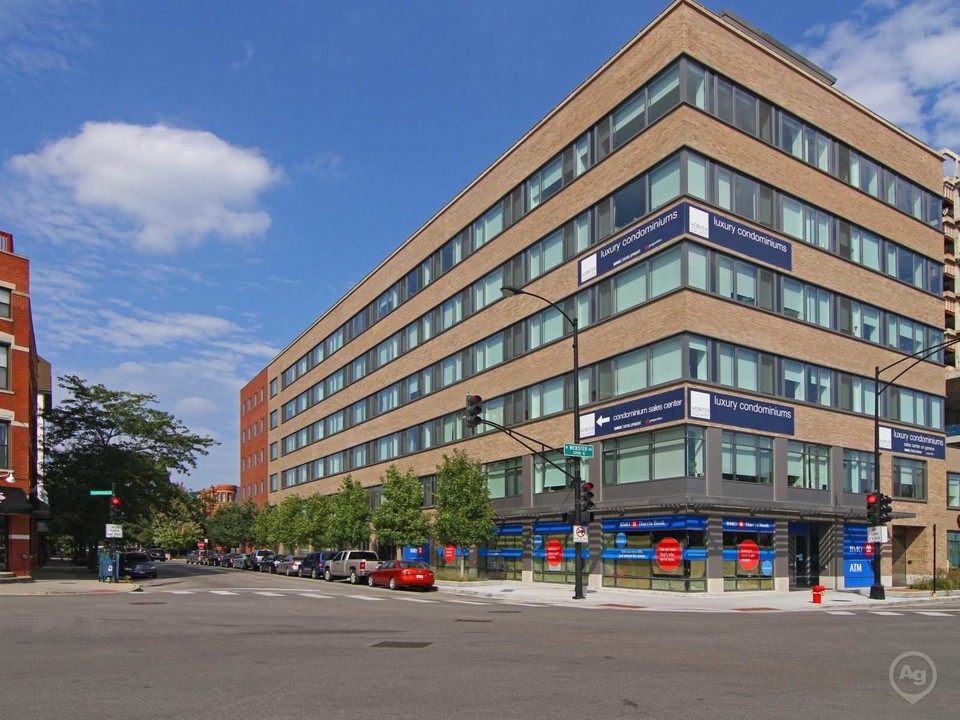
{"x":42,"y":38}
{"x":196,"y":406}
{"x":899,"y":60}
{"x":159,"y":187}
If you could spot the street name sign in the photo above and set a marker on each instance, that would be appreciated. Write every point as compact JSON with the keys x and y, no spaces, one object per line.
{"x":578,"y":450}
{"x":101,"y":492}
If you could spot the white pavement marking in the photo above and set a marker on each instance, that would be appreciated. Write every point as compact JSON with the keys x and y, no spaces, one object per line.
{"x":840,"y":612}
{"x":933,"y":613}
{"x":180,"y":592}
{"x":523,"y":604}
{"x":364,"y":597}
{"x":270,"y":594}
{"x":222,"y":592}
{"x":468,"y":602}
{"x":885,"y":612}
{"x":315,"y":595}
{"x":420,"y":600}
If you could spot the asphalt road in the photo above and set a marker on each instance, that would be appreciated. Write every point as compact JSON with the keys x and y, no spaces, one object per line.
{"x":207,"y":643}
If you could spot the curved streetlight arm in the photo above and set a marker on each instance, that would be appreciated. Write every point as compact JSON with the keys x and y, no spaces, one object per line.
{"x":508,"y":290}
{"x":919,"y":355}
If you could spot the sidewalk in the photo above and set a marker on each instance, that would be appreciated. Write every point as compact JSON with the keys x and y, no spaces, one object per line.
{"x":798,"y":600}
{"x":61,"y":577}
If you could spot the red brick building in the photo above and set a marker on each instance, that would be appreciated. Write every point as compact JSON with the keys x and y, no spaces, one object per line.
{"x":19,"y":544}
{"x":253,"y":441}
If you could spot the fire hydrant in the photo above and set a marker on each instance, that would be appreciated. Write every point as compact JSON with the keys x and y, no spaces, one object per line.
{"x":818,"y":591}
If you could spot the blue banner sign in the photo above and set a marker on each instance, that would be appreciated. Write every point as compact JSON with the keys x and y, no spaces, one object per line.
{"x":554,"y":528}
{"x":416,"y":552}
{"x":748,"y":525}
{"x":637,"y":242}
{"x":649,"y":554}
{"x":911,"y":442}
{"x":659,"y":522}
{"x":501,"y":552}
{"x":740,"y":238}
{"x":510,"y":529}
{"x":857,"y":565}
{"x":734,"y":554}
{"x":741,"y":412}
{"x":645,"y":412}
{"x":718,"y":229}
{"x":568,"y":553}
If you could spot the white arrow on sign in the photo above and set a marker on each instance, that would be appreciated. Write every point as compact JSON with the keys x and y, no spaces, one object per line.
{"x":602,"y":420}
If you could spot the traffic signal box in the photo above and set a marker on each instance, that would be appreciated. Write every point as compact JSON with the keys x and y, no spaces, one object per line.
{"x":473,"y":411}
{"x":885,"y":509}
{"x":586,"y":497}
{"x":114,"y":508}
{"x":879,"y":509}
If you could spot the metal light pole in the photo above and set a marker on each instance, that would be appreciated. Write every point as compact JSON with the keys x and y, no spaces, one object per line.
{"x":507,"y":291}
{"x":876,"y":590}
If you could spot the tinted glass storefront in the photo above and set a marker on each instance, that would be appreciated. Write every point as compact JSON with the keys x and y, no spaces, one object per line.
{"x":553,"y":553}
{"x":502,"y":559}
{"x":748,"y":554}
{"x":656,"y":553}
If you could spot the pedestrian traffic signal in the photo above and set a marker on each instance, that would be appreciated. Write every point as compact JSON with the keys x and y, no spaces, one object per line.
{"x":885,"y":509}
{"x":473,"y":411}
{"x":873,"y":508}
{"x":586,"y":497}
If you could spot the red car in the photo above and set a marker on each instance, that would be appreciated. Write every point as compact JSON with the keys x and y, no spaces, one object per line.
{"x":396,"y":574}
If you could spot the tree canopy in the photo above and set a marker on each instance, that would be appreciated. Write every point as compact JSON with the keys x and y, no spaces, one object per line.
{"x":350,"y":526}
{"x":399,"y":519}
{"x":464,"y":514}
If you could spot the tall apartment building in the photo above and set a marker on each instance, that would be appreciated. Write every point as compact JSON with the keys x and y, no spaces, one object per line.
{"x":253,"y":441}
{"x":741,"y":246}
{"x":21,"y":497}
{"x":951,"y":269}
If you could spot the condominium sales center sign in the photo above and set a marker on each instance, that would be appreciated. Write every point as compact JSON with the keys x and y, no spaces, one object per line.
{"x":686,"y":218}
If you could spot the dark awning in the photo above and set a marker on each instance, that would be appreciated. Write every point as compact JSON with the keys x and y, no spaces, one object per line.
{"x":40,"y":508}
{"x":13,"y":501}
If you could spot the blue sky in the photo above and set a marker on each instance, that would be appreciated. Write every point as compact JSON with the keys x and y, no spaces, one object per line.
{"x":195,"y":183}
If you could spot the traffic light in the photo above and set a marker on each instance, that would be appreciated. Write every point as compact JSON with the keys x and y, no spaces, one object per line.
{"x":114,"y":508}
{"x":885,"y":510}
{"x":586,"y":497}
{"x":471,"y":415}
{"x":873,"y":508}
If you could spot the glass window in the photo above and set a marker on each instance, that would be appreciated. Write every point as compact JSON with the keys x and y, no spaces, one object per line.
{"x":909,"y":479}
{"x":747,"y":458}
{"x":629,"y":203}
{"x":628,"y":119}
{"x":953,"y":490}
{"x":858,"y":471}
{"x":664,"y":93}
{"x":808,"y":465}
{"x":666,"y":361}
{"x":665,"y":183}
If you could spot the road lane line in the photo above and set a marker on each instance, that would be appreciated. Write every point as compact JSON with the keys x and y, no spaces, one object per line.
{"x":468,"y":602}
{"x":222,"y":592}
{"x":420,"y":600}
{"x":364,"y":597}
{"x":315,"y":595}
{"x":270,"y":594}
{"x":180,"y":592}
{"x":933,"y":613}
{"x":885,"y":612}
{"x":840,"y":612}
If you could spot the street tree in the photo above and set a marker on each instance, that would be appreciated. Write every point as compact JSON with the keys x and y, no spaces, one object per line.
{"x":264,"y":531}
{"x":399,"y":519}
{"x":318,"y":514}
{"x":102,"y":439}
{"x":464,"y":515}
{"x":350,"y":525}
{"x":292,"y":522}
{"x":232,"y":524}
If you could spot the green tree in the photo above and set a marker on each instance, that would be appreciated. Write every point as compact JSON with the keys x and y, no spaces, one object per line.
{"x":264,"y":531}
{"x":464,"y":514}
{"x":292,"y":522}
{"x":350,"y":526}
{"x":232,"y":524}
{"x":98,"y":438}
{"x":399,"y":519}
{"x":318,"y":513}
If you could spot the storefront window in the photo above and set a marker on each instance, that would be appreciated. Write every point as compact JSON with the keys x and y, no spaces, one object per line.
{"x":502,"y":559}
{"x":747,"y":554}
{"x":553,"y":553}
{"x":655,"y":553}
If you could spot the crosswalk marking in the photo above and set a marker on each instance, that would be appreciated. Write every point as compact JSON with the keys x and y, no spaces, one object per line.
{"x":315,"y":595}
{"x":222,"y":592}
{"x":468,"y":602}
{"x":933,"y":613}
{"x":885,"y":612}
{"x":180,"y":592}
{"x":419,"y":600}
{"x":523,"y":604}
{"x":840,"y":612}
{"x":270,"y":594}
{"x":364,"y":597}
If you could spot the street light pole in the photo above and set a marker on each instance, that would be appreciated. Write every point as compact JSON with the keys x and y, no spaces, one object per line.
{"x":507,"y":291}
{"x":876,"y":590}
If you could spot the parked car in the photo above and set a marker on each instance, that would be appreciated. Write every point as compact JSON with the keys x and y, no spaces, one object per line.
{"x":353,"y":564}
{"x":289,"y":565}
{"x":268,"y":563}
{"x":396,"y":574}
{"x":227,"y":560}
{"x":313,"y":563}
{"x":258,"y":556}
{"x":137,"y":564}
{"x":241,"y":561}
{"x":193,"y":557}
{"x":157,"y":554}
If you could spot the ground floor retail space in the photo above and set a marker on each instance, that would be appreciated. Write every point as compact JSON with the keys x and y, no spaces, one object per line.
{"x":690,"y":553}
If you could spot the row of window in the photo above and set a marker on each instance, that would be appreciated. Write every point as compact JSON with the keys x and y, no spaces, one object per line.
{"x":249,"y":491}
{"x":251,"y":402}
{"x":682,"y":357}
{"x":742,"y":368}
{"x":252,"y":431}
{"x":251,"y":461}
{"x":761,"y":119}
{"x":683,"y":81}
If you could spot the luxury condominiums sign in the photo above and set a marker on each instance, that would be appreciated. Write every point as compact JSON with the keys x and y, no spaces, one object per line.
{"x":711,"y":226}
{"x":741,"y":412}
{"x":911,"y":442}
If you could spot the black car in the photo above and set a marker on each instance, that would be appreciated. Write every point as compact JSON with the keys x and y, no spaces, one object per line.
{"x":269,"y":563}
{"x":157,"y":554}
{"x":257,"y":557}
{"x":312,"y":564}
{"x":137,"y":564}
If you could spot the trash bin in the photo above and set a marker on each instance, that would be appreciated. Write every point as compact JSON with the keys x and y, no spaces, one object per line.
{"x":818,"y":591}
